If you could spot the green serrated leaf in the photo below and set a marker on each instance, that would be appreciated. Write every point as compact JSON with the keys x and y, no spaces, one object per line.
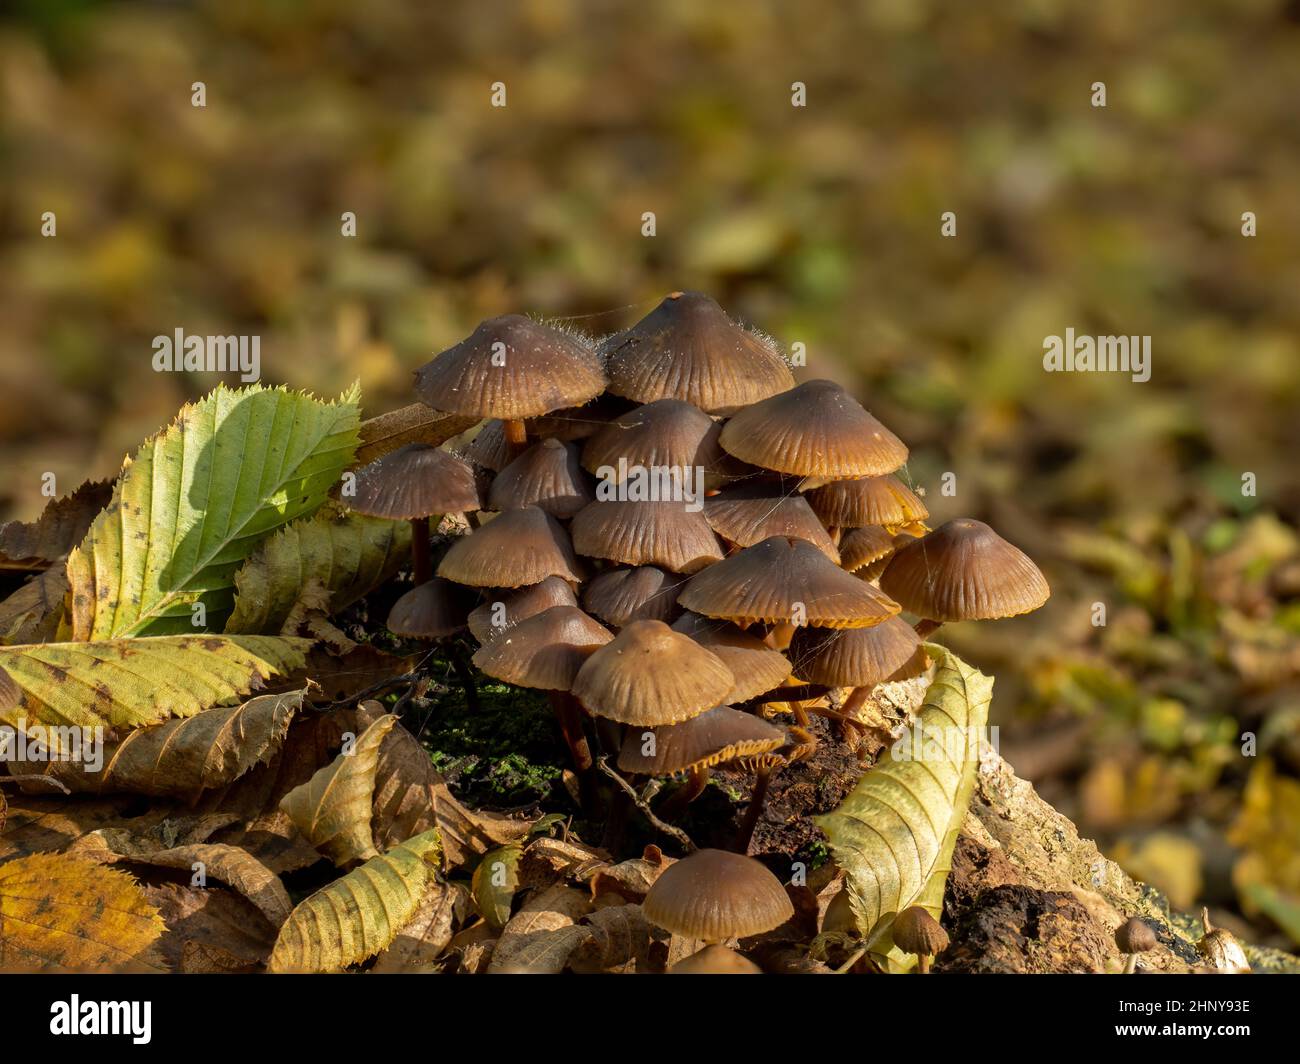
{"x":126,"y":683}
{"x":346,"y":555}
{"x":195,"y":502}
{"x":895,"y":832}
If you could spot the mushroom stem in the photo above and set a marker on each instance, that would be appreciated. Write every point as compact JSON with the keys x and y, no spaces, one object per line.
{"x":465,"y":675}
{"x":471,"y":518}
{"x":1130,"y":963}
{"x":676,"y":803}
{"x":781,"y":634}
{"x":570,"y":721}
{"x":922,"y":963}
{"x":516,"y":438}
{"x":925,"y":627}
{"x":746,"y":833}
{"x":421,"y":563}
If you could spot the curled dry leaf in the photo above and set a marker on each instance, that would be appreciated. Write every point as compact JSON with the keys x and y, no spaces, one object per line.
{"x":128,"y":683}
{"x":631,"y":879}
{"x":541,"y":936}
{"x":229,"y":864}
{"x":895,"y":832}
{"x":428,"y":933}
{"x":619,"y":940}
{"x":232,"y":934}
{"x":68,"y":914}
{"x":33,"y":612}
{"x":496,"y":878}
{"x":179,"y":758}
{"x":359,"y":914}
{"x":346,"y":555}
{"x":62,"y":524}
{"x":333,"y":808}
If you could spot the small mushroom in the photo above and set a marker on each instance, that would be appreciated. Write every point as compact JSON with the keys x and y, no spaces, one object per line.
{"x":649,"y":675}
{"x":687,"y":348}
{"x":504,"y":608}
{"x":880,"y":501}
{"x":547,"y":476}
{"x":435,"y":612}
{"x":514,"y":549}
{"x":662,"y":533}
{"x":412,"y":484}
{"x":696,"y":746}
{"x":816,"y":430}
{"x":546,"y":652}
{"x":746,"y":514}
{"x":717,"y":896}
{"x":963,"y":571}
{"x":1220,"y":949}
{"x":916,"y":931}
{"x":1134,"y":936}
{"x":756,"y":666}
{"x":621,"y":596}
{"x":512,"y":368}
{"x":667,"y":433}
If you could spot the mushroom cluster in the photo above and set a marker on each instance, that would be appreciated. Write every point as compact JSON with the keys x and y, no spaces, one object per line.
{"x":677,"y":542}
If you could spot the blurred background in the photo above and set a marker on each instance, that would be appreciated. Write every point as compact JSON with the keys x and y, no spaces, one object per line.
{"x":819,"y":225}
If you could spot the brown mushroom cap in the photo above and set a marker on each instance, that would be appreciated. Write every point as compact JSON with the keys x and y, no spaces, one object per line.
{"x":715,"y":960}
{"x":755,"y":665}
{"x":547,"y":476}
{"x":519,"y":547}
{"x":667,"y":432}
{"x":687,"y":348}
{"x":750,"y":513}
{"x":715,"y":895}
{"x":432,"y":610}
{"x":859,"y":547}
{"x":665,"y":534}
{"x":650,"y":675}
{"x":545,"y":651}
{"x":867,"y":501}
{"x":814,"y":430}
{"x":414,"y":481}
{"x":964,"y":571}
{"x":714,"y":737}
{"x":621,"y":596}
{"x":574,"y":423}
{"x":540,"y":369}
{"x":857,"y":657}
{"x":1135,"y":936}
{"x":916,"y":931}
{"x":518,"y":604}
{"x":488,"y":447}
{"x":783,"y":579}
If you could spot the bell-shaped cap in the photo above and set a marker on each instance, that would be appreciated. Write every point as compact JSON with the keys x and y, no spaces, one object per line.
{"x":489,"y":448}
{"x":545,"y":651}
{"x":547,"y":476}
{"x":716,"y":895}
{"x":505,"y":608}
{"x":916,"y":931}
{"x":867,"y":501}
{"x":859,"y":547}
{"x":814,"y":430}
{"x":857,"y":657}
{"x":650,"y":675}
{"x":783,"y":579}
{"x":755,"y":665}
{"x":573,"y":423}
{"x":512,"y":367}
{"x":667,"y":433}
{"x":688,"y":349}
{"x":749,"y":513}
{"x":621,"y":596}
{"x":432,"y":610}
{"x":414,"y":481}
{"x":666,"y":534}
{"x":516,"y":548}
{"x":715,"y":737}
{"x":964,"y":571}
